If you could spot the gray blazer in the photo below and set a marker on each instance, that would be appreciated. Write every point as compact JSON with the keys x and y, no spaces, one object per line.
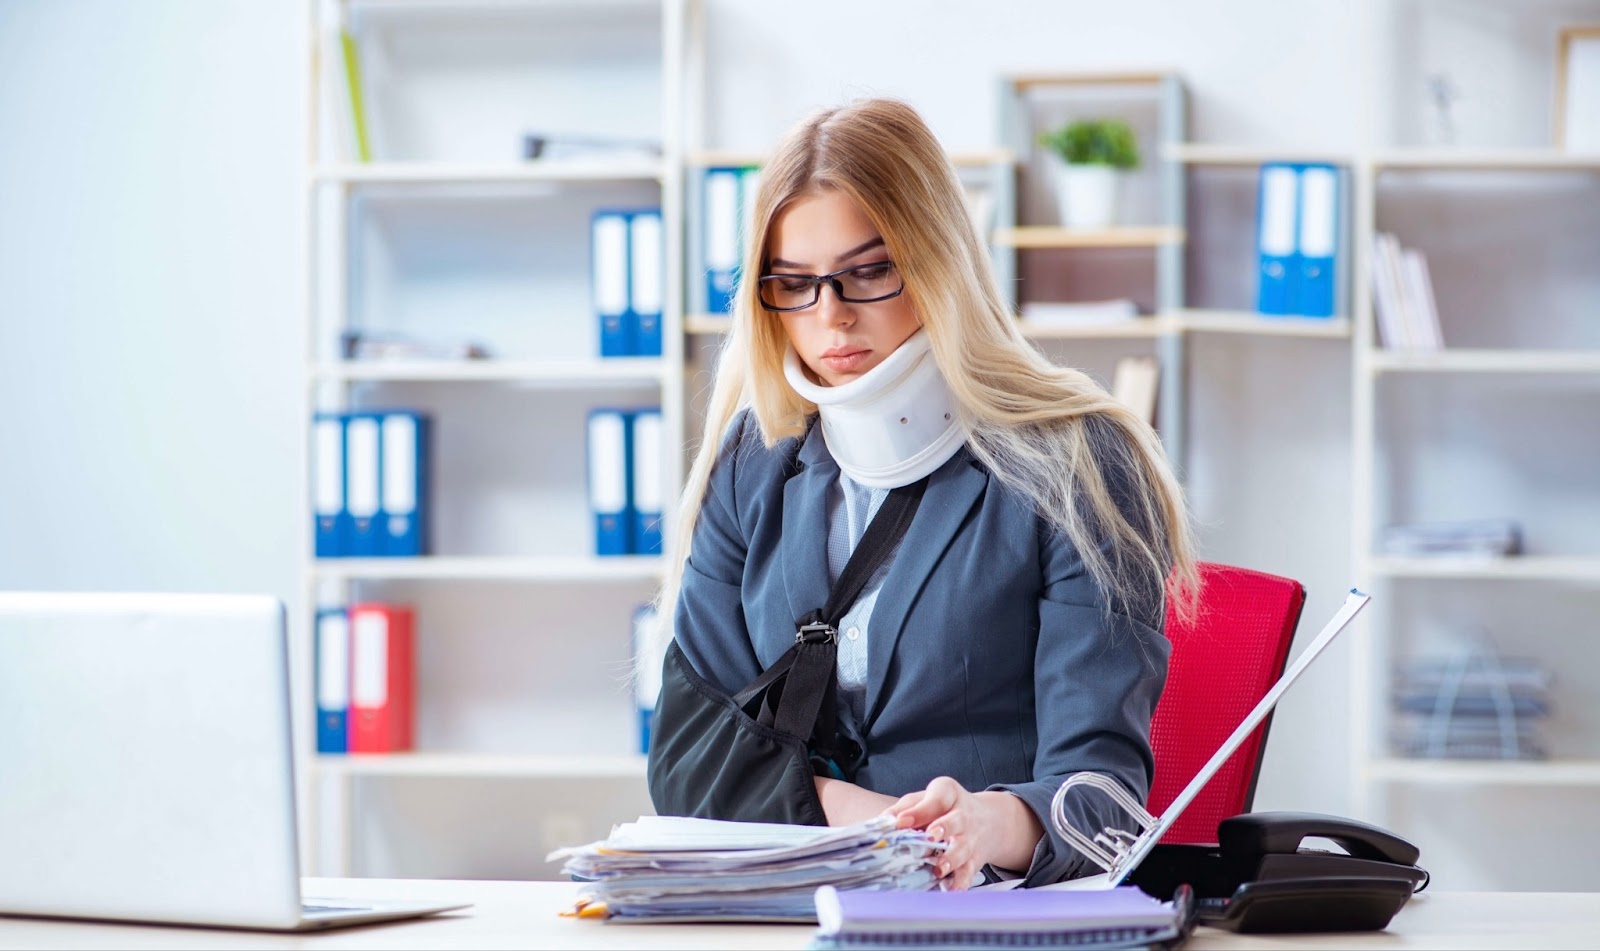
{"x":992,"y":656}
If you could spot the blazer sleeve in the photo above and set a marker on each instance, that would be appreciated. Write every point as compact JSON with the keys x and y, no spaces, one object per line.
{"x":709,"y":618}
{"x":1097,"y":677}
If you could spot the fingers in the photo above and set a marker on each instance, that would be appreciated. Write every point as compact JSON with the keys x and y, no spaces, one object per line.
{"x":939,"y":798}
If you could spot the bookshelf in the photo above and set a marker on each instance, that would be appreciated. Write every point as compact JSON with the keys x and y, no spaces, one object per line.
{"x":447,"y":234}
{"x":1493,"y":422}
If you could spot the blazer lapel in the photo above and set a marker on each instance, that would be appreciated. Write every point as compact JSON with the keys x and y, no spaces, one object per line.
{"x":951,"y":493}
{"x":805,"y":527}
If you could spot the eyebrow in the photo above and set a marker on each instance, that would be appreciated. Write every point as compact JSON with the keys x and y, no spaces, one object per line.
{"x":865,"y":246}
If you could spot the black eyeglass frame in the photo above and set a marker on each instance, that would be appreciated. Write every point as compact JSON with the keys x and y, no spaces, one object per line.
{"x":832,"y":280}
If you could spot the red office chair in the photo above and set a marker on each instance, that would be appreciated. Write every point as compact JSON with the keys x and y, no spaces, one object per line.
{"x":1221,"y":666}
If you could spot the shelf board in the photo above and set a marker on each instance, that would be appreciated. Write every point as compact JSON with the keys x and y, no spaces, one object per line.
{"x":1510,"y":160}
{"x":1028,"y":80}
{"x":1191,"y":153}
{"x":618,"y":370}
{"x":732,"y":158}
{"x":1486,"y":361}
{"x":469,"y":7}
{"x":1508,"y":567}
{"x":449,"y":568}
{"x":508,"y":765}
{"x":707,"y":324}
{"x":462,"y":173}
{"x":1219,"y":321}
{"x":1250,"y":322}
{"x":1134,"y":328}
{"x":1050,"y":237}
{"x":1570,"y":772}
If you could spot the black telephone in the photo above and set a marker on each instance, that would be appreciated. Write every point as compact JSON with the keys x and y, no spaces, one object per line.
{"x":1259,"y":878}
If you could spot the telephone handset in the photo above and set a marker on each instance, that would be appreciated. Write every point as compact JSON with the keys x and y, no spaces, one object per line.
{"x":1260,"y":877}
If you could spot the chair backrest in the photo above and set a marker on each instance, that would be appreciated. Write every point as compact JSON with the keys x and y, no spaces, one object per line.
{"x":1222,"y":664}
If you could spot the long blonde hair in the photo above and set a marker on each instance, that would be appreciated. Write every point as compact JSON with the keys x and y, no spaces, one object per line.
{"x":1049,"y":432}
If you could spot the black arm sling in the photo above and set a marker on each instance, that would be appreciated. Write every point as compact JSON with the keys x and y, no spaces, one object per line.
{"x":752,"y":756}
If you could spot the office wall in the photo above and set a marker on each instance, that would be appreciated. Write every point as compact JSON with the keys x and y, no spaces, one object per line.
{"x":151,"y":295}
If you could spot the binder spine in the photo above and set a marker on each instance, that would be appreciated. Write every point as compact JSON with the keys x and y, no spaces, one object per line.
{"x":721,"y":237}
{"x":404,"y":525}
{"x":645,"y":443}
{"x":1277,"y":210}
{"x":330,"y":517}
{"x":333,"y":680}
{"x":381,"y":678}
{"x":609,"y":464}
{"x":363,"y":481}
{"x":1317,"y":251}
{"x":646,"y":285}
{"x":609,"y":286}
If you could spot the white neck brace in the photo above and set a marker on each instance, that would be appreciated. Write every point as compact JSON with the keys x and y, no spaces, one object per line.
{"x":892,"y":425}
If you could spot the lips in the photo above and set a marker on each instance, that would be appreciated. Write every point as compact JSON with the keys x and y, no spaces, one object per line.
{"x":844,"y":359}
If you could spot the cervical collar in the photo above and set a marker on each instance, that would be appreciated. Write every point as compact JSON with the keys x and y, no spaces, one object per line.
{"x":890,"y":426}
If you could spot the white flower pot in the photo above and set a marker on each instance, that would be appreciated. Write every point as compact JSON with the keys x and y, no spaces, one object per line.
{"x":1087,"y":195}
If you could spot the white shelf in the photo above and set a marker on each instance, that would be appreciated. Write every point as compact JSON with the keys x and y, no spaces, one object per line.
{"x":1040,"y":236}
{"x":556,"y":373}
{"x":1506,"y":160}
{"x":1200,"y":154}
{"x":1486,"y":361}
{"x":1509,"y":567}
{"x":1487,"y":772}
{"x":462,"y":173}
{"x":726,"y":158}
{"x":1134,"y":328}
{"x":1251,"y":322}
{"x":471,"y":7}
{"x":586,"y":568}
{"x":1139,"y":328}
{"x":507,"y":765}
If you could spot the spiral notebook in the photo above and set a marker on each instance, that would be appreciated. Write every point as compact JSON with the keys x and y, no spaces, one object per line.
{"x":1118,"y":851}
{"x":1115,"y":918}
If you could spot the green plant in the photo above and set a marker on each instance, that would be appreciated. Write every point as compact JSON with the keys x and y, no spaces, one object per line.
{"x":1094,"y":142}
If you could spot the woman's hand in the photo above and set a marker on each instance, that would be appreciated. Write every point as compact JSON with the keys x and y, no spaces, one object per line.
{"x":984,"y":828}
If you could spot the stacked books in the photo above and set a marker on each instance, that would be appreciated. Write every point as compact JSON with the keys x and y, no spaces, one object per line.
{"x":1485,"y":538}
{"x":1472,"y":706}
{"x":669,"y":868}
{"x":1402,"y":290}
{"x":1079,"y":313}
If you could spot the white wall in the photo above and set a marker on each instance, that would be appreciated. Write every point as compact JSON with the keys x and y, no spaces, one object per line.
{"x":151,"y":297}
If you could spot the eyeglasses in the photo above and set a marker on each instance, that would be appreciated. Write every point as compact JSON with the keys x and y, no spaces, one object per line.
{"x":860,"y":284}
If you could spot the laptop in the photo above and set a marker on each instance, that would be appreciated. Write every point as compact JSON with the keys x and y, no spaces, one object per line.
{"x":146,"y":766}
{"x":1119,"y":852}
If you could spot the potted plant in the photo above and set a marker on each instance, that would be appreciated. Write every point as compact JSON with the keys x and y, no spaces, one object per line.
{"x":1093,"y":154}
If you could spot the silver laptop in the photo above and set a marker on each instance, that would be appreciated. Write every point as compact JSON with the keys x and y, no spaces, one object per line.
{"x":146,"y":766}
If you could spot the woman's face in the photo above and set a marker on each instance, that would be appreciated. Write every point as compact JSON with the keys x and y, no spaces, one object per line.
{"x":838,"y":341}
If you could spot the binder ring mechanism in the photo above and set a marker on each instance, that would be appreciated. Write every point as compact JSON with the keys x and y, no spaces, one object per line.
{"x":1110,"y":846}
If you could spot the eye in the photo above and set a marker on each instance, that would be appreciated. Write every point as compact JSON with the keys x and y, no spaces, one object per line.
{"x":792,"y":284}
{"x":871,"y":272}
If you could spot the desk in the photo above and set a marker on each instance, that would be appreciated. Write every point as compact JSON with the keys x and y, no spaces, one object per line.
{"x":524,"y":915}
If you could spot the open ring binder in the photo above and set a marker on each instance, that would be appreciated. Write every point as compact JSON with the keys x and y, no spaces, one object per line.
{"x":1119,"y":851}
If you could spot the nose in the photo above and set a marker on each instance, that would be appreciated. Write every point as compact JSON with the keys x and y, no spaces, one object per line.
{"x":833,"y":311}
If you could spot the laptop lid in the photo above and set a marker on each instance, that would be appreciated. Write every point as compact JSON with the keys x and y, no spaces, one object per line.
{"x":145,"y":760}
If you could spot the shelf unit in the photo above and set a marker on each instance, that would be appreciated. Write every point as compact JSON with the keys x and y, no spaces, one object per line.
{"x":546,"y":363}
{"x":1377,"y":776}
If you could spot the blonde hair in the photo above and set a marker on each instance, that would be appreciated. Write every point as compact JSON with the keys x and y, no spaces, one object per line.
{"x":1092,"y":468}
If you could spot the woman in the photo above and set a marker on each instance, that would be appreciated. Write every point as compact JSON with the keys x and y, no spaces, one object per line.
{"x":1014,"y":637}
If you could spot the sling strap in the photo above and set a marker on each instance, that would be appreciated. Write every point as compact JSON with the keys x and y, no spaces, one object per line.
{"x":798,"y":692}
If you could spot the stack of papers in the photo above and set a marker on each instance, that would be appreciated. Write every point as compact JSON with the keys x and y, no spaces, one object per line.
{"x":669,"y":868}
{"x":986,"y":918}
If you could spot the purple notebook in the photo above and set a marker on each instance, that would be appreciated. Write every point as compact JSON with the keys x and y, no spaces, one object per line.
{"x":1013,"y":911}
